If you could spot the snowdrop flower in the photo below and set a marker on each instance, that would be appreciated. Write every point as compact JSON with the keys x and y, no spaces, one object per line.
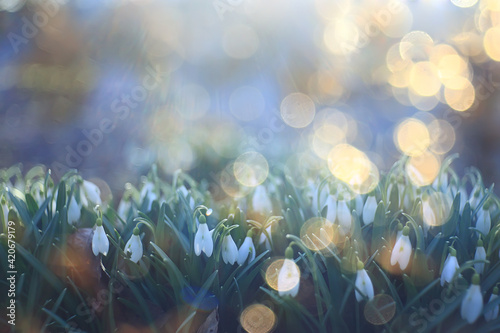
{"x":203,"y":239}
{"x":74,"y":212}
{"x":289,"y":276}
{"x":90,"y":192}
{"x":363,"y":284}
{"x":402,"y":250}
{"x":359,"y":204}
{"x":247,"y":249}
{"x":479,"y":255}
{"x":344,"y":216}
{"x":185,"y":193}
{"x":100,"y":242}
{"x":124,"y":208}
{"x":475,"y":197}
{"x":134,"y":246}
{"x":493,"y":313}
{"x":148,"y":194}
{"x":229,"y":250}
{"x":331,"y":214}
{"x":261,"y":203}
{"x":369,"y":209}
{"x":264,"y":239}
{"x":450,"y":267}
{"x":472,"y":303}
{"x":5,"y":210}
{"x":483,"y":222}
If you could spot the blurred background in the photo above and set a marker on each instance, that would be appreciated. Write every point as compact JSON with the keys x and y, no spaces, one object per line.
{"x":110,"y":87}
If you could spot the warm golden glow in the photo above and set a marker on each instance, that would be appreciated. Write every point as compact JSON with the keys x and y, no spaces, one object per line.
{"x":258,"y":318}
{"x":442,"y":136}
{"x":416,"y":46}
{"x":423,"y":169}
{"x":349,"y":164}
{"x":464,"y":3}
{"x":412,"y":137}
{"x":317,"y":233}
{"x":436,"y":209}
{"x":285,"y":283}
{"x":424,"y":78}
{"x":461,"y":98}
{"x":491,"y":43}
{"x":380,"y":310}
{"x":251,"y":169}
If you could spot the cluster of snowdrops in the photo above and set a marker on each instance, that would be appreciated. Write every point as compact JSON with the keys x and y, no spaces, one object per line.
{"x":388,"y":227}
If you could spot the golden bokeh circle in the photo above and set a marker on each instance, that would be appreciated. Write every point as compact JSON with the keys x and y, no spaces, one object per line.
{"x":423,"y":169}
{"x":251,"y":169}
{"x":317,"y":233}
{"x":412,"y":137}
{"x":258,"y":318}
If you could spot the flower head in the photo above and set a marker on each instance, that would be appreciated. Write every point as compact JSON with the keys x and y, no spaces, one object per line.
{"x":203,"y":239}
{"x":344,"y":217}
{"x":331,"y":214}
{"x":100,"y":242}
{"x":450,"y":267}
{"x":483,"y":222}
{"x":479,"y":255}
{"x":472,"y":303}
{"x":493,"y":313}
{"x":261,"y":203}
{"x":363,"y":284}
{"x":266,"y":240}
{"x":247,"y":249}
{"x":289,"y":276}
{"x":134,"y":246}
{"x":402,"y":250}
{"x":369,"y":209}
{"x":74,"y":212}
{"x":229,"y":250}
{"x":90,"y":192}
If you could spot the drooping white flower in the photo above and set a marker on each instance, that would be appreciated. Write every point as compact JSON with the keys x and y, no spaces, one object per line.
{"x":90,"y":192}
{"x":247,"y":249}
{"x":450,"y":267}
{"x":186,"y":193}
{"x":264,"y":239}
{"x":363,"y":284}
{"x":472,"y":303}
{"x":402,"y":250}
{"x":100,"y":242}
{"x":124,"y":208}
{"x":493,"y":313}
{"x":74,"y":212}
{"x":261,"y":203}
{"x":358,"y":202}
{"x":483,"y":222}
{"x":134,"y":246}
{"x":203,"y":239}
{"x":289,"y":276}
{"x":148,"y":194}
{"x":331,"y":214}
{"x":229,"y":250}
{"x":480,"y":254}
{"x":344,"y":217}
{"x":475,"y":197}
{"x":369,"y":209}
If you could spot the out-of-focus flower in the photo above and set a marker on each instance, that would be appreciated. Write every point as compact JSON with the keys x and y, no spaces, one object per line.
{"x":90,"y":192}
{"x":402,"y":250}
{"x":344,"y":217}
{"x":134,"y":246}
{"x":100,"y":242}
{"x":479,"y":255}
{"x":203,"y":239}
{"x":493,"y":313}
{"x":450,"y":267}
{"x":148,"y":194}
{"x":369,"y":209}
{"x":331,"y":214}
{"x":363,"y":284}
{"x":483,"y":222}
{"x":261,"y":203}
{"x":185,"y":193}
{"x":472,"y":304}
{"x":289,"y":276}
{"x":247,"y":249}
{"x":266,"y":240}
{"x":74,"y":212}
{"x":229,"y":250}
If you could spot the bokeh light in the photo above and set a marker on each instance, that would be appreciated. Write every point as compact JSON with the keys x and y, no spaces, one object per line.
{"x":380,"y":310}
{"x":251,"y":169}
{"x":412,"y":137}
{"x":318,"y":233}
{"x":423,"y":169}
{"x":258,"y":318}
{"x":297,"y":110}
{"x":277,"y":281}
{"x":436,"y":208}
